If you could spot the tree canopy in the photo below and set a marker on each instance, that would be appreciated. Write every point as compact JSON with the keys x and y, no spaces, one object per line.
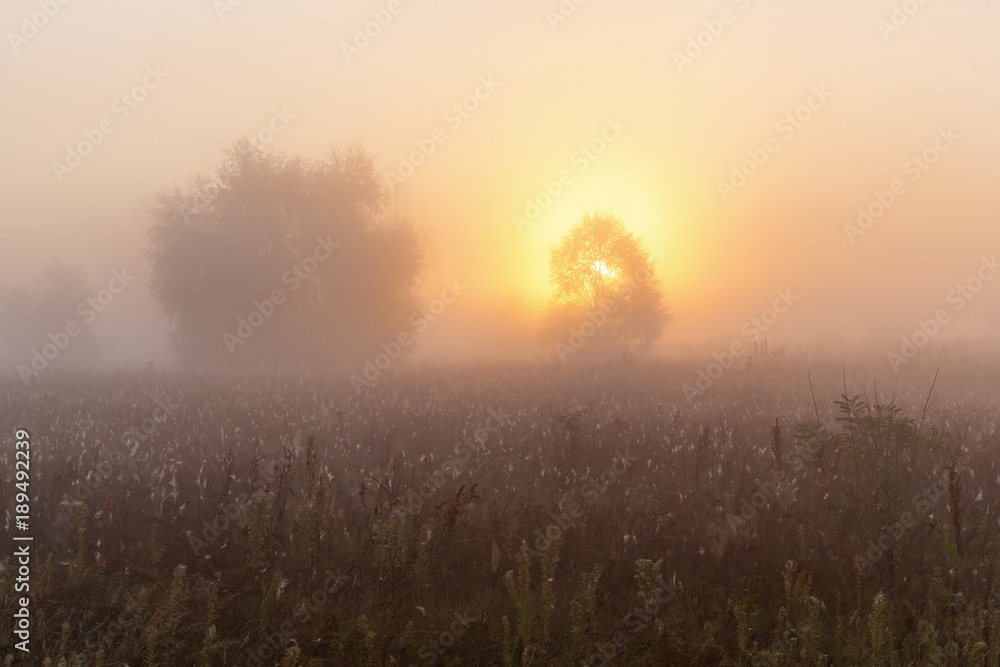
{"x":34,"y":320}
{"x":279,"y":258}
{"x":606,"y":296}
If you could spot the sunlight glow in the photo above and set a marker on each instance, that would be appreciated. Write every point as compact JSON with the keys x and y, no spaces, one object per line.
{"x":600,"y":267}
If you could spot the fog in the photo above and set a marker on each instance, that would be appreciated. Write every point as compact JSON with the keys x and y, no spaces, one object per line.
{"x":743,"y":142}
{"x":561,"y":332}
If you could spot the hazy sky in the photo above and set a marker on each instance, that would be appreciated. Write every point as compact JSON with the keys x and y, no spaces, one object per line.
{"x":676,"y":119}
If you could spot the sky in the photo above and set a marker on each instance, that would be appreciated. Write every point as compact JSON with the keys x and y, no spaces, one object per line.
{"x":741,"y":140}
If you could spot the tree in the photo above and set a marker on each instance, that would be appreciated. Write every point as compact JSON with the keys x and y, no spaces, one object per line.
{"x":283,"y":259}
{"x":607,"y":297}
{"x":34,"y":320}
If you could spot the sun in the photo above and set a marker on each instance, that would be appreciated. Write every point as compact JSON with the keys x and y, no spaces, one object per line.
{"x":601,"y":267}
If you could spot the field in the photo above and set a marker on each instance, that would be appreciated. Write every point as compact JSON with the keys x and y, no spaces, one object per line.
{"x":795,"y":513}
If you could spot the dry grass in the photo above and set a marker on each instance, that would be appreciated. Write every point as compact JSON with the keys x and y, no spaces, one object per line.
{"x":276,"y":518}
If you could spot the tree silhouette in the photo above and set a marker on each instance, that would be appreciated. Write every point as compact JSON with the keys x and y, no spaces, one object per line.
{"x":223,"y":246}
{"x":35,"y":316}
{"x":607,"y":297}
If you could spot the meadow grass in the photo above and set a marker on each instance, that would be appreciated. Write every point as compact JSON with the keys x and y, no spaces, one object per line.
{"x":513,"y":514}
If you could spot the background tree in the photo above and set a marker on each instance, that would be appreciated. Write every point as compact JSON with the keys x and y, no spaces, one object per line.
{"x":31,"y":315}
{"x":607,"y":297}
{"x":228,"y":242}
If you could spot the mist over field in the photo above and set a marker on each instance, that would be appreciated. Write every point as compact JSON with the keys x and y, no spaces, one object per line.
{"x":633,"y":104}
{"x":398,"y":332}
